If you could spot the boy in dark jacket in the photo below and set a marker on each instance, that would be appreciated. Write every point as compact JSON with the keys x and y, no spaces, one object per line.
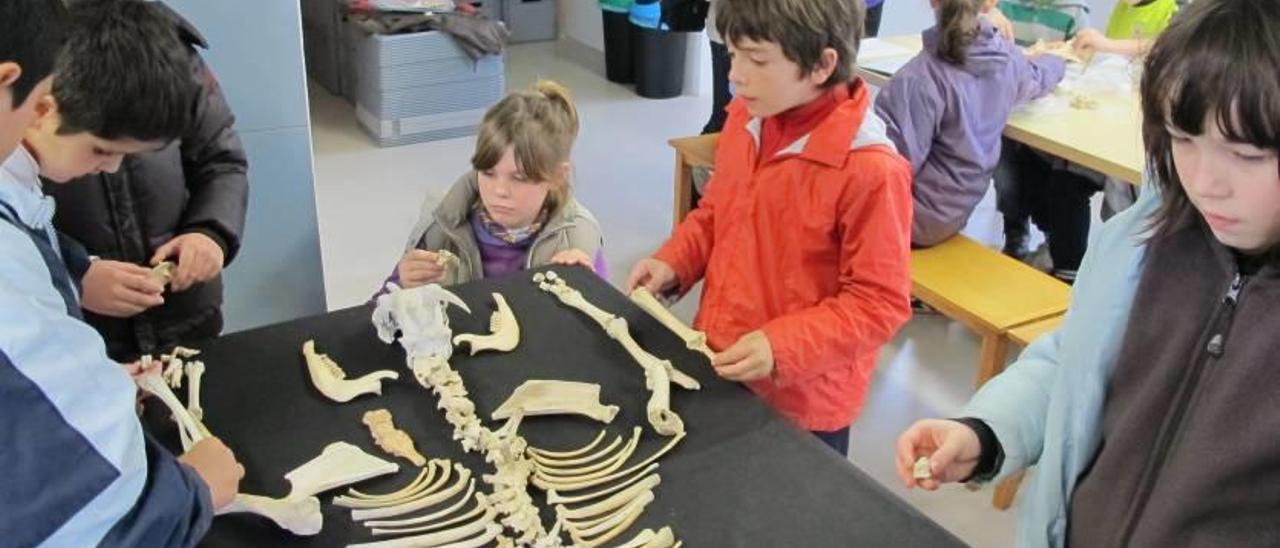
{"x":183,"y":203}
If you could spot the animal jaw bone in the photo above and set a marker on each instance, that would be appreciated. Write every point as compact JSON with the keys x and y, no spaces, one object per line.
{"x":464,"y":479}
{"x":340,"y":463}
{"x":332,"y":381}
{"x":195,"y":371}
{"x":504,"y":333}
{"x":658,"y":373}
{"x":391,"y":439}
{"x":693,"y":339}
{"x":543,"y":397}
{"x":300,"y":516}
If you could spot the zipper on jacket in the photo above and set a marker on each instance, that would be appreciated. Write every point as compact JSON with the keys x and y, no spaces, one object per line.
{"x":1215,"y":344}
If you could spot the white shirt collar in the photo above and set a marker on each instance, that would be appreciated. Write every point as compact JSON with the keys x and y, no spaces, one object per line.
{"x":20,"y":188}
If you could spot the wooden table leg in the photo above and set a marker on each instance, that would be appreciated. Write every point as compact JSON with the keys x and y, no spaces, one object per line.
{"x":1002,"y":499}
{"x":683,"y":189}
{"x":995,"y":347}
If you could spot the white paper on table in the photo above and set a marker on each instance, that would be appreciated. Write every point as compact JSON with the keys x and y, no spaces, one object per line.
{"x":887,"y":66}
{"x":874,"y":48}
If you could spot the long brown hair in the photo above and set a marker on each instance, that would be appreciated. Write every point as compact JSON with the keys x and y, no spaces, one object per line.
{"x":1218,"y":57}
{"x":957,"y":22}
{"x":540,"y":125}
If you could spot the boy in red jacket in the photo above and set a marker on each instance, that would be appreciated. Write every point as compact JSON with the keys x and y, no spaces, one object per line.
{"x":804,"y":234}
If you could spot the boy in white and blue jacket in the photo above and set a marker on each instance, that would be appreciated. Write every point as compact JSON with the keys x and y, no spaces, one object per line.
{"x":79,"y":469}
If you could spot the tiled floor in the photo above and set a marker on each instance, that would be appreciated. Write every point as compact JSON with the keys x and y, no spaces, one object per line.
{"x":369,"y":197}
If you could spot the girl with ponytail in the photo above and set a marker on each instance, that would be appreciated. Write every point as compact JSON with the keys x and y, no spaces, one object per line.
{"x":947,"y":108}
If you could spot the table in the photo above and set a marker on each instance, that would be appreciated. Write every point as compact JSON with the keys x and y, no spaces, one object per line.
{"x":1107,"y":139}
{"x":743,"y":476}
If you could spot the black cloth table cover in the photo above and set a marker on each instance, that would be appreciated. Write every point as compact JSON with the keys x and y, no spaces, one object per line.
{"x":742,"y":477}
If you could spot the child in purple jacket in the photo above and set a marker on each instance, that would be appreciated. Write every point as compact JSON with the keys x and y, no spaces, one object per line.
{"x":946,"y":110}
{"x":515,"y":209}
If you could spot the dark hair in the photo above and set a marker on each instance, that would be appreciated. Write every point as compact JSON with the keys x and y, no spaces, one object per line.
{"x":957,"y":22}
{"x":31,"y":33}
{"x":1217,"y":57}
{"x":125,"y":73}
{"x":802,"y":28}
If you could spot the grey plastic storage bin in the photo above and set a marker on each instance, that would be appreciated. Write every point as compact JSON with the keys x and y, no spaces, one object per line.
{"x":420,"y":86}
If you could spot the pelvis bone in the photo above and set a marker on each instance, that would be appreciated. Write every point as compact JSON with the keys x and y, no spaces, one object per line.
{"x":544,"y":397}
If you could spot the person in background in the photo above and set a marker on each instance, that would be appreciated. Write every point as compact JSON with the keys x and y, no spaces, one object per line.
{"x":1149,"y":415}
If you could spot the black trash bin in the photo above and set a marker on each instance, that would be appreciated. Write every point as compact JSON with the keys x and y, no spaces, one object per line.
{"x":619,"y":65}
{"x":659,"y":62}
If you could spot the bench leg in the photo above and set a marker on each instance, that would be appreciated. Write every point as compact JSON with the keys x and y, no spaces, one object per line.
{"x":683,"y":189}
{"x":995,"y":347}
{"x":1002,"y":499}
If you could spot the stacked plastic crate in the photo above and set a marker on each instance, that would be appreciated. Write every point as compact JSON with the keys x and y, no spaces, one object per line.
{"x":410,"y":88}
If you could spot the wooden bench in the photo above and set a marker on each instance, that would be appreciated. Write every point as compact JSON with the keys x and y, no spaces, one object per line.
{"x":986,"y":291}
{"x":691,"y":152}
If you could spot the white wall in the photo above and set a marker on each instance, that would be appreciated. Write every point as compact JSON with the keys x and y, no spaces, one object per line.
{"x":580,"y":20}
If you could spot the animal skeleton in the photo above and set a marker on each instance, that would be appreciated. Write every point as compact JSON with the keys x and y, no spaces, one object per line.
{"x":664,"y":538}
{"x":659,"y":374}
{"x":299,"y":513}
{"x":504,"y":331}
{"x":422,"y":524}
{"x":693,"y":339}
{"x":602,"y":531}
{"x":451,"y":538}
{"x":163,"y":272}
{"x":420,"y":486}
{"x":419,"y":315}
{"x":923,"y":469}
{"x":614,"y":502}
{"x":195,"y":371}
{"x":172,"y":370}
{"x":332,"y":381}
{"x":543,"y":397}
{"x":570,"y":453}
{"x":556,"y":498}
{"x":300,"y":516}
{"x":191,"y":430}
{"x":603,"y":467}
{"x":391,"y":439}
{"x":464,"y":480}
